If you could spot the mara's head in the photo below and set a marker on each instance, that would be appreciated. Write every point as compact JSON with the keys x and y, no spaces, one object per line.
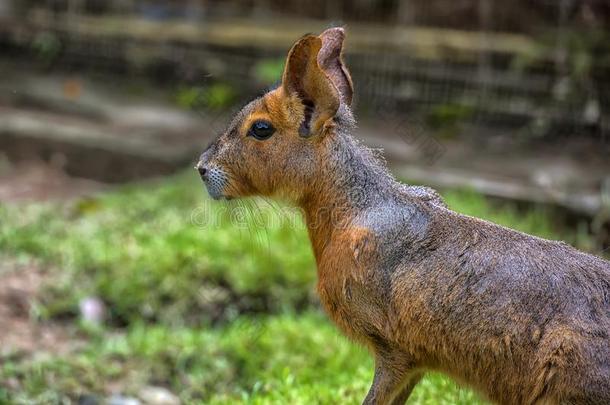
{"x":276,"y":144}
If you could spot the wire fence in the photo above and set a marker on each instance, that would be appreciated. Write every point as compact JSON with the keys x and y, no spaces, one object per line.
{"x":542,"y":66}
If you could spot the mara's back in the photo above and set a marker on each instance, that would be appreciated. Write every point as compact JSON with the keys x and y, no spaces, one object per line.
{"x":520,"y":317}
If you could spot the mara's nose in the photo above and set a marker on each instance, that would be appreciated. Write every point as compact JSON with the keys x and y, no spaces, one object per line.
{"x":203,"y":172}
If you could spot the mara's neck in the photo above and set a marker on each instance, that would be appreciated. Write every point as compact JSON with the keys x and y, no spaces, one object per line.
{"x":353,"y":180}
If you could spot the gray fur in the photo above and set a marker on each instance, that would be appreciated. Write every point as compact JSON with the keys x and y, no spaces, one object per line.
{"x":479,"y":283}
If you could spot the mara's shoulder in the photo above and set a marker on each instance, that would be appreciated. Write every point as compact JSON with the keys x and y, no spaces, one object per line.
{"x":426,"y":194}
{"x":399,"y":219}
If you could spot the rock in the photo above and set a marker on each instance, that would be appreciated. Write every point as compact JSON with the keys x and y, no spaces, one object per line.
{"x":158,"y":396}
{"x":92,"y":310}
{"x":121,"y":400}
{"x":88,"y":399}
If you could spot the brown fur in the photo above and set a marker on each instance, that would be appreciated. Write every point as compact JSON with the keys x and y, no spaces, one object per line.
{"x":521,"y":319}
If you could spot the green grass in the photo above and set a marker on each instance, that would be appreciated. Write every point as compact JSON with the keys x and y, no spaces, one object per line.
{"x":220,"y":312}
{"x":147,"y":253}
{"x":278,"y":359}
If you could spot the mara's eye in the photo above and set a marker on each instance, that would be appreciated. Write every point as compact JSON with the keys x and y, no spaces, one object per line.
{"x":261,"y":130}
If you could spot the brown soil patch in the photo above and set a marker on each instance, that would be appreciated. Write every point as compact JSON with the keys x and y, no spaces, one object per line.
{"x":20,"y":333}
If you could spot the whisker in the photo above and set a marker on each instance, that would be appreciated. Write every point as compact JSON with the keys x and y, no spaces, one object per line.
{"x":262,"y":225}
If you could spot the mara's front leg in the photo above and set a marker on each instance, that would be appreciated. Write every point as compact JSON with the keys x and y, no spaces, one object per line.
{"x":405,"y":392}
{"x":393,"y":382}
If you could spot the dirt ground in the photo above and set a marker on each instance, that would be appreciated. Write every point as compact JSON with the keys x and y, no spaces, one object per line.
{"x":37,"y":181}
{"x":21,"y":334}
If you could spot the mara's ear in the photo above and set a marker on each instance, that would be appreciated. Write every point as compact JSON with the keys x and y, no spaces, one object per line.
{"x":330,"y":60}
{"x":304,"y":78}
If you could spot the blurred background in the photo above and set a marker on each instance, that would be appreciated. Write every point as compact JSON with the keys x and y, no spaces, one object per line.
{"x":121,"y":283}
